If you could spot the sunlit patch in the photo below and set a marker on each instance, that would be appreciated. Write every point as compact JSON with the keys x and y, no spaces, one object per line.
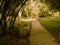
{"x":30,"y":19}
{"x":56,"y":13}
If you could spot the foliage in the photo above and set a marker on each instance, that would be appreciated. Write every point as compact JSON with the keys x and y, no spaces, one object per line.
{"x":9,"y":10}
{"x":24,"y":27}
{"x":44,"y":11}
{"x":55,"y":4}
{"x":26,"y":11}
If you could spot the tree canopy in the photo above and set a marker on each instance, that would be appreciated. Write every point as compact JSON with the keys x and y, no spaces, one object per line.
{"x":55,"y":4}
{"x":9,"y":10}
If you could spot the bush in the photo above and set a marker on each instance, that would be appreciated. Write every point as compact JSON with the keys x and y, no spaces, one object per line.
{"x":25,"y":29}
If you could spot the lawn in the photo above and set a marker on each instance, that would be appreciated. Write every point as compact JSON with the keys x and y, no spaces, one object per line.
{"x":52,"y":25}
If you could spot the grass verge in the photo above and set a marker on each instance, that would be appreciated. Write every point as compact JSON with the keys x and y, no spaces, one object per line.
{"x":52,"y":25}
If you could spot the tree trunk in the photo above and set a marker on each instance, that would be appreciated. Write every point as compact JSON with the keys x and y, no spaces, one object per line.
{"x":4,"y":22}
{"x":18,"y":12}
{"x":13,"y":22}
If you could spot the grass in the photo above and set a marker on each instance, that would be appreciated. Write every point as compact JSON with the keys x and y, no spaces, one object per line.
{"x":52,"y":25}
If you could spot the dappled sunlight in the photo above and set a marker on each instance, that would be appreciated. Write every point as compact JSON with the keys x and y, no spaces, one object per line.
{"x":29,"y":22}
{"x":56,"y":13}
{"x":34,"y":9}
{"x":29,"y":19}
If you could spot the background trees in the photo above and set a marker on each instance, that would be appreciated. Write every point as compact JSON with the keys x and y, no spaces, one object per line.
{"x":54,"y":4}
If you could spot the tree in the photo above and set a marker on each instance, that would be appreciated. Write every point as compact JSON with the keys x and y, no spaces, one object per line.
{"x":55,"y":4}
{"x":10,"y":8}
{"x":26,"y":10}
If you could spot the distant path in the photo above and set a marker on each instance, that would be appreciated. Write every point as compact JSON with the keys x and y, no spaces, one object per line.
{"x":40,"y":36}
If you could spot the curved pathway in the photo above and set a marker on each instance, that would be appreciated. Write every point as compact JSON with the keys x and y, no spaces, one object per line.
{"x":40,"y":36}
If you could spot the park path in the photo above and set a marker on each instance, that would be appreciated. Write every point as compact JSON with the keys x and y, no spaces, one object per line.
{"x":40,"y":36}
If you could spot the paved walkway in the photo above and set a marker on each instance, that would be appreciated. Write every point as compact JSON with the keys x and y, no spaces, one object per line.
{"x":40,"y":36}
